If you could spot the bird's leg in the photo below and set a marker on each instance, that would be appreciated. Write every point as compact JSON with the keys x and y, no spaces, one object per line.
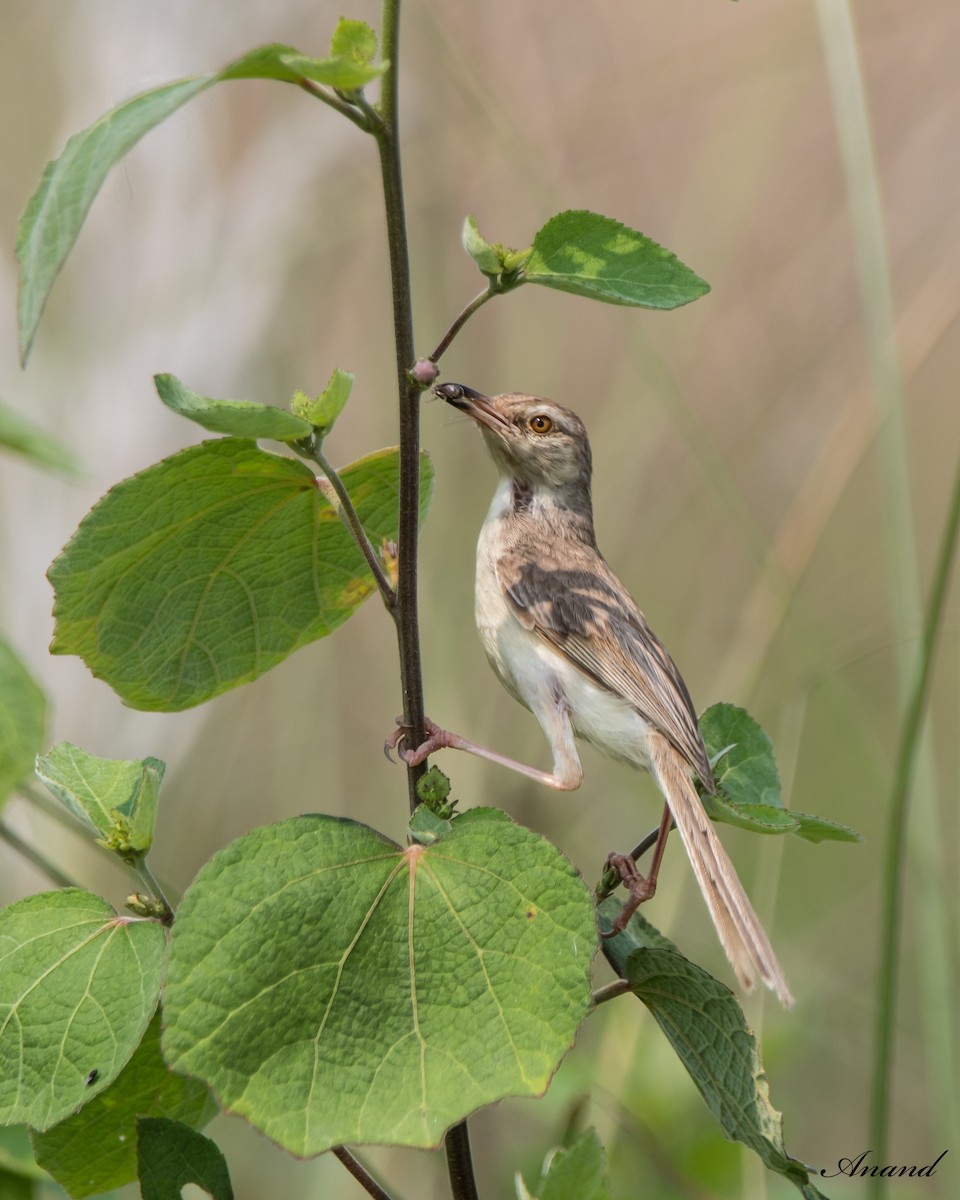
{"x":640,"y":887}
{"x":567,"y":773}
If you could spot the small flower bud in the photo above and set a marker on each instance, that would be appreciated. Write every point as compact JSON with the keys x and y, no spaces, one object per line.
{"x":424,"y":372}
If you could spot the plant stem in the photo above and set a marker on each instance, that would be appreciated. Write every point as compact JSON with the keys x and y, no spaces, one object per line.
{"x":352,"y":113}
{"x":405,"y":612}
{"x":348,"y":514}
{"x":31,"y":854}
{"x":463,"y":1185}
{"x":156,"y":891}
{"x":360,"y":1173}
{"x":457,"y":1142}
{"x":471,"y":308}
{"x":893,"y":875}
{"x":610,"y":991}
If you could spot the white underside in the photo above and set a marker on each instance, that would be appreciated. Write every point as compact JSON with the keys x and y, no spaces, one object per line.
{"x":541,"y":677}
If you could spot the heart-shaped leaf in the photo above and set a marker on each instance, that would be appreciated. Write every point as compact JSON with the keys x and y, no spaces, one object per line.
{"x":331,"y":986}
{"x":211,"y":567}
{"x":78,"y":986}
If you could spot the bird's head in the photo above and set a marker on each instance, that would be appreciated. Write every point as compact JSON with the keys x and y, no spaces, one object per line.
{"x":537,"y":442}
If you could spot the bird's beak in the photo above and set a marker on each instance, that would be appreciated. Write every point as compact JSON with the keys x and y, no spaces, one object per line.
{"x":483,"y":410}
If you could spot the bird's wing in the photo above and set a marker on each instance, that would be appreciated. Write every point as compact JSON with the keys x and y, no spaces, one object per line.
{"x":586,"y":613}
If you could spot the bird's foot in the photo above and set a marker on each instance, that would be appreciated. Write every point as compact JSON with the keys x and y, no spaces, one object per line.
{"x":640,"y":888}
{"x":437,"y":739}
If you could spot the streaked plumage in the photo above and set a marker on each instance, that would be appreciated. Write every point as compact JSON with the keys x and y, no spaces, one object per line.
{"x":568,"y":641}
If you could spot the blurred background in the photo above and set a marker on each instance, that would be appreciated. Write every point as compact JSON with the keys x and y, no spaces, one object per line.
{"x":772,"y":470}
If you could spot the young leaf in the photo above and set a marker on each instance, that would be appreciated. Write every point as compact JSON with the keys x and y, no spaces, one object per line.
{"x":23,"y":716}
{"x":577,"y":1171}
{"x":350,"y":66}
{"x":749,"y":782}
{"x":84,"y":983}
{"x":324,"y":410}
{"x":57,"y":209}
{"x":96,"y":1149}
{"x":23,"y":437}
{"x":483,"y":253}
{"x":594,"y":256}
{"x":211,"y":567}
{"x":115,"y":797}
{"x":171,"y":1155}
{"x":706,"y":1027}
{"x":332,"y":986}
{"x":242,"y":418}
{"x":355,"y":40}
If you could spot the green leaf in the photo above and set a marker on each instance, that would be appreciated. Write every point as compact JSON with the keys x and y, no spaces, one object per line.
{"x":78,"y":986}
{"x":117,"y":798}
{"x":323,"y":411}
{"x":96,"y":1148}
{"x":483,"y":253}
{"x":172,"y":1155}
{"x":747,"y":773}
{"x":820,"y":829}
{"x":757,"y":818}
{"x":243,"y":418}
{"x":57,"y":209}
{"x":493,"y":258}
{"x":594,"y":256}
{"x":355,"y":40}
{"x":707,"y":1029}
{"x":331,"y":986}
{"x":211,"y":567}
{"x":350,"y":65}
{"x":577,"y":1171}
{"x":23,"y":437}
{"x":749,"y":782}
{"x":23,"y":717}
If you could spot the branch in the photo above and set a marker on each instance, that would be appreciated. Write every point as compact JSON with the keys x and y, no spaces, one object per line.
{"x":610,"y":991}
{"x":463,"y":1185}
{"x":405,"y":614}
{"x":360,"y":1173}
{"x":348,"y":515}
{"x":352,"y":112}
{"x":471,"y":308}
{"x":148,"y":878}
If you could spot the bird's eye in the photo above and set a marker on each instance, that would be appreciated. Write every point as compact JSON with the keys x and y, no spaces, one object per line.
{"x":540,"y":424}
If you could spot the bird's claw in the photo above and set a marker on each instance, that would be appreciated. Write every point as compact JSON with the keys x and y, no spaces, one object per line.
{"x":437,"y":739}
{"x":640,"y":887}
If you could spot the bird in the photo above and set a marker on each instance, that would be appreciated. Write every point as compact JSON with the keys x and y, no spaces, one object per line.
{"x":568,"y":641}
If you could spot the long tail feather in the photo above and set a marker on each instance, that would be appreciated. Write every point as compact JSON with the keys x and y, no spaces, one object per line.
{"x":738,"y":926}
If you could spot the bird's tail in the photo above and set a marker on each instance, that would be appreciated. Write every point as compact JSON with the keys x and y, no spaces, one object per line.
{"x":738,"y":926}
